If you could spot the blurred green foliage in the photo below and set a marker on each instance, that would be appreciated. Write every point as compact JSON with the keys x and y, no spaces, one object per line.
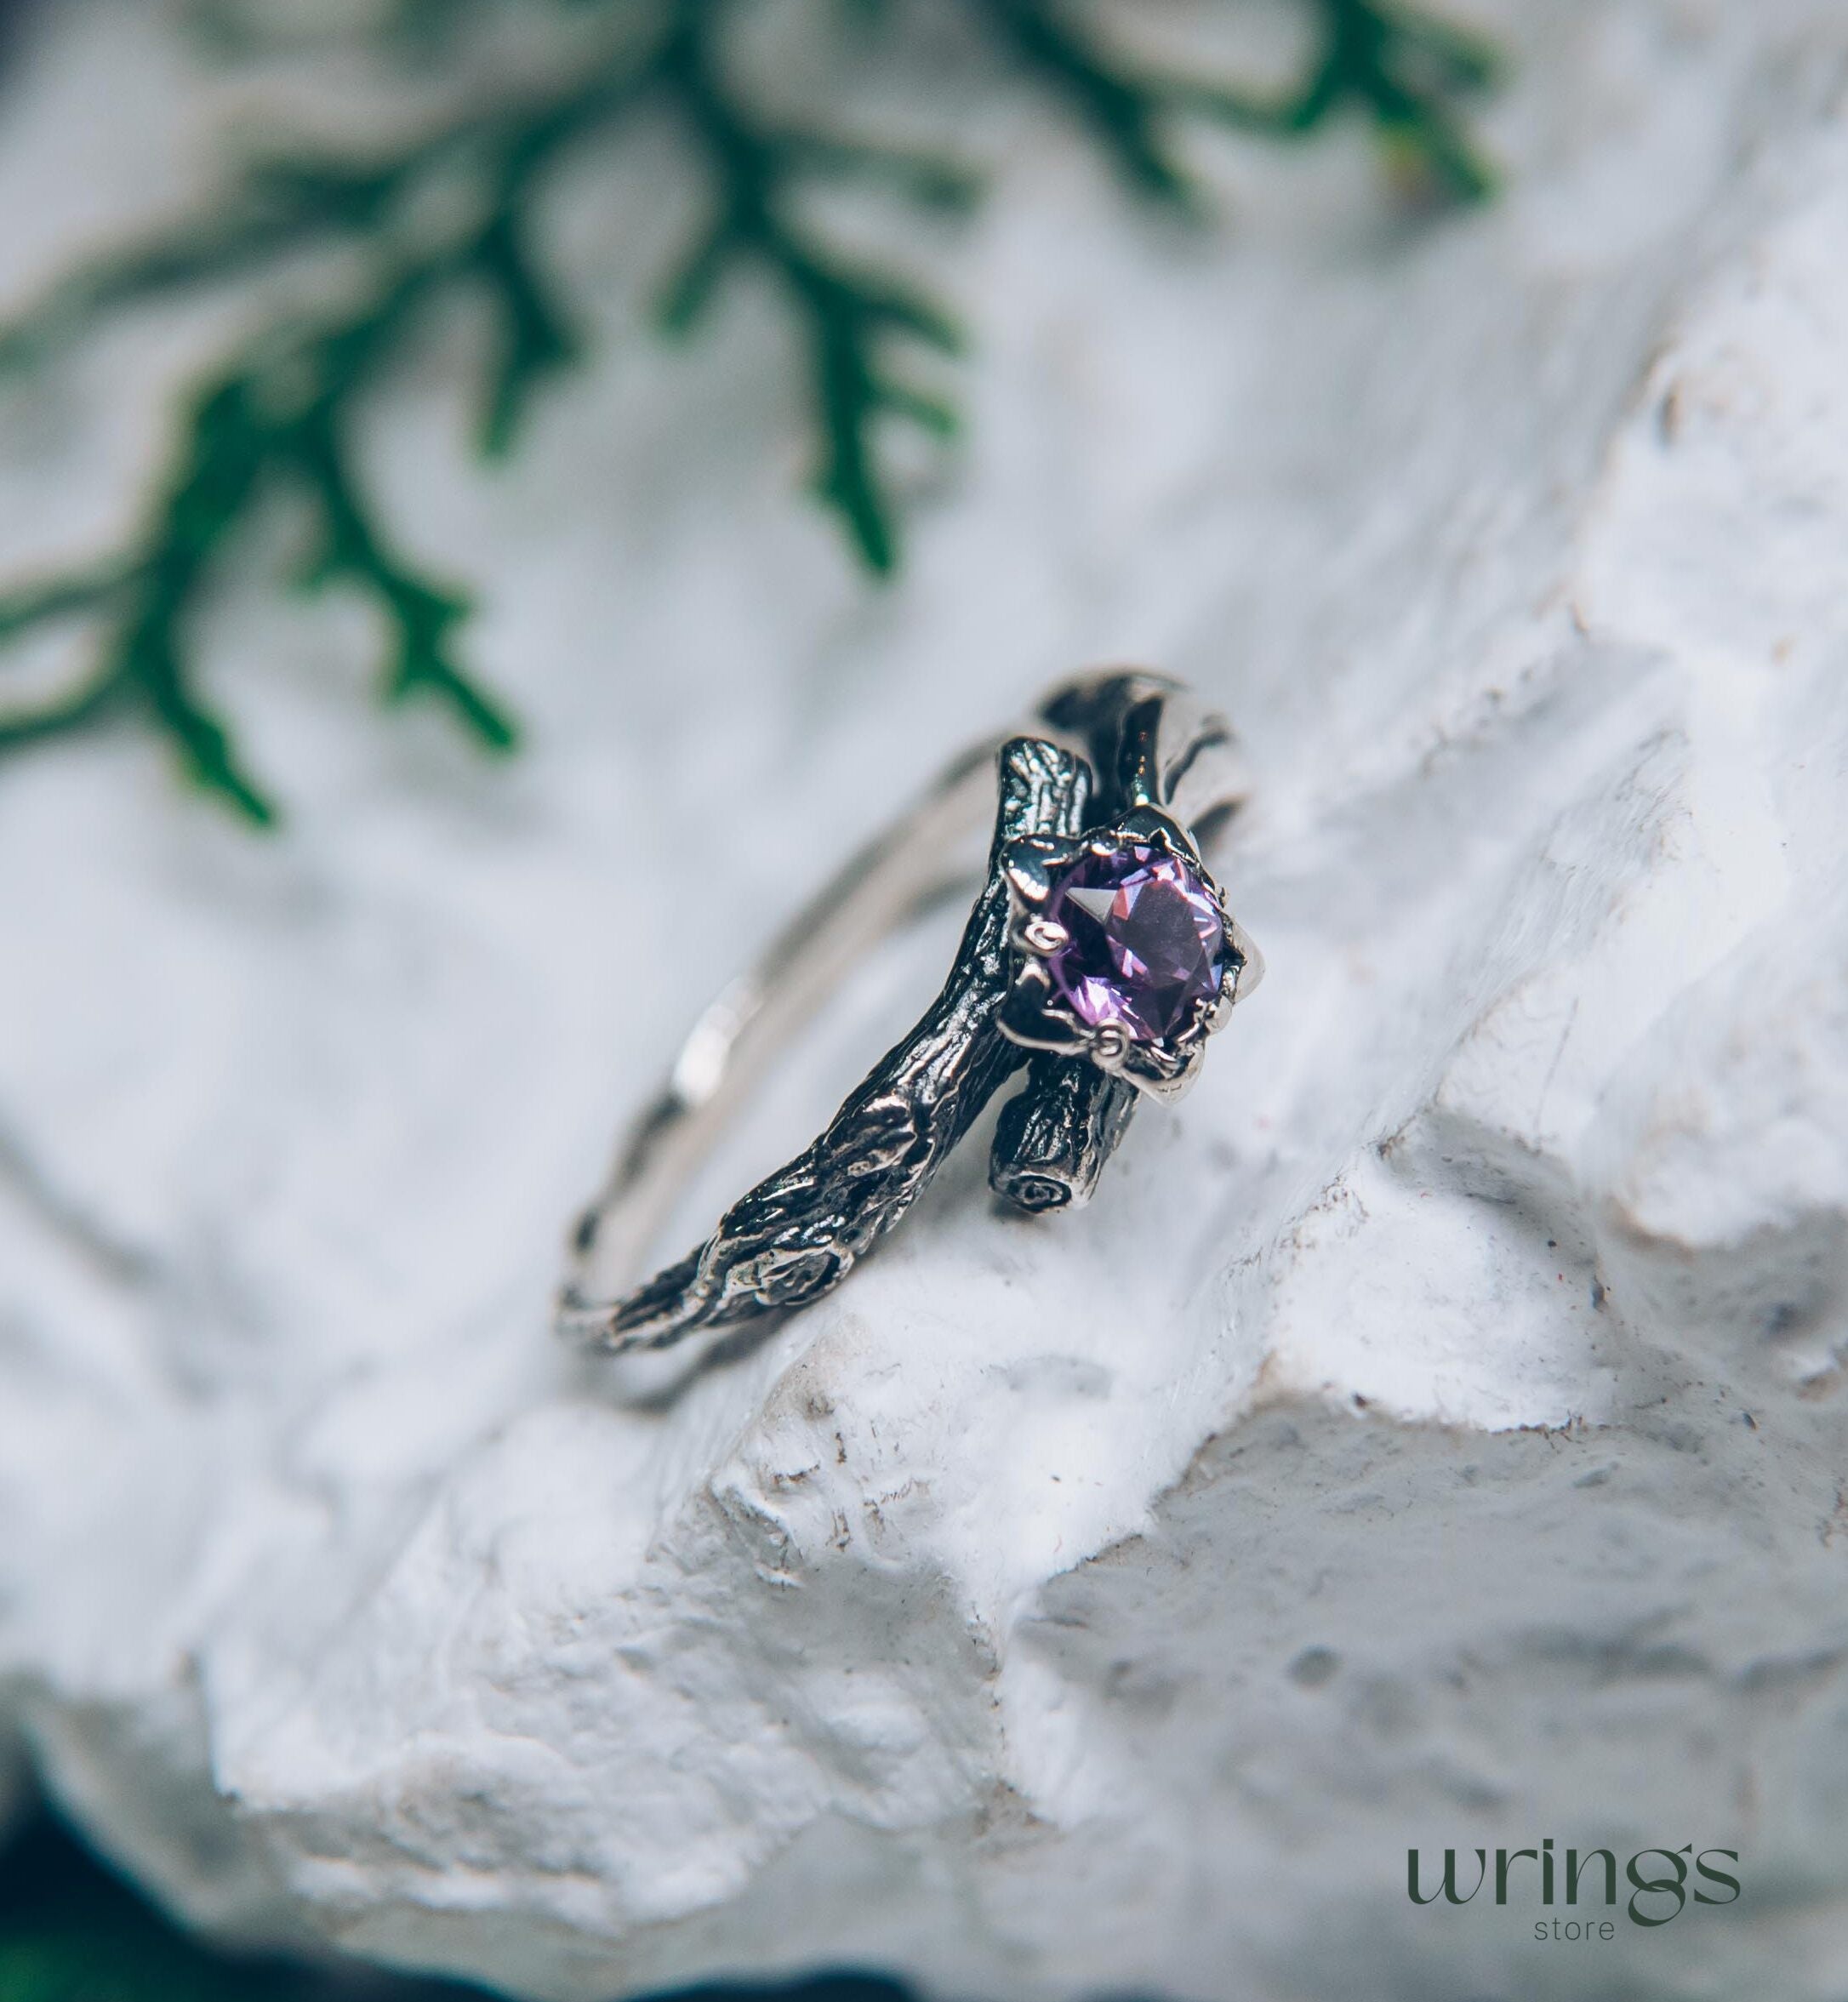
{"x":70,"y":1932}
{"x":454,"y":207}
{"x":73,"y":1931}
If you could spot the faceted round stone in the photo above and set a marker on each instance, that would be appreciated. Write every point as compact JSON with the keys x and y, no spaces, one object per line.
{"x":1146,"y":941}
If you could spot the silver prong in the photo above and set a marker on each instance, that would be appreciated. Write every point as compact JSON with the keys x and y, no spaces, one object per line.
{"x":1109,"y":1046}
{"x":1025,"y":1019}
{"x":1043,"y":936}
{"x":1167,"y":1081}
{"x":1150,"y":826}
{"x":1253,"y":970}
{"x":1028,"y":879}
{"x":1030,"y":863}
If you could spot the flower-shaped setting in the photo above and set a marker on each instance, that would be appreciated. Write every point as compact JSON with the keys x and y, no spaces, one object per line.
{"x":1124,"y":951}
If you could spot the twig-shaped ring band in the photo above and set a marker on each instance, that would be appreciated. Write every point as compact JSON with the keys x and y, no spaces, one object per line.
{"x":1099,"y":956}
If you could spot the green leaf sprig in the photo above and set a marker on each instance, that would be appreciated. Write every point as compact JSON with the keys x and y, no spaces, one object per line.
{"x":281,"y":408}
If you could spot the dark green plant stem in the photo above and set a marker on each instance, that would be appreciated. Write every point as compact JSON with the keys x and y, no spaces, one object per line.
{"x":1404,"y":70}
{"x":1397,"y":67}
{"x":847,"y":313}
{"x":270,"y":213}
{"x":64,"y":598}
{"x":1128,"y":111}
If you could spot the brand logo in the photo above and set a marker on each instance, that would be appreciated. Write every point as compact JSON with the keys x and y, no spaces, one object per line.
{"x":1599,"y":1892}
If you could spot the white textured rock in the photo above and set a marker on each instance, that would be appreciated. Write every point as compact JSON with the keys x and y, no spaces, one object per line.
{"x":1433,"y":1435}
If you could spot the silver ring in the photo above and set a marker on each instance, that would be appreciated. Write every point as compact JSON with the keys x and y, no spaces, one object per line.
{"x":1099,"y":956}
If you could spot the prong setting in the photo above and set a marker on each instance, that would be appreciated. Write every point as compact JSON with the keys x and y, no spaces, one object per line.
{"x":1109,"y":1046}
{"x":1039,"y":1011}
{"x":1032,"y":863}
{"x":1042,"y":936}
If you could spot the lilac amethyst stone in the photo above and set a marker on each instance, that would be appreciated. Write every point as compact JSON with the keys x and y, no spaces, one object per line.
{"x":1146,"y":943}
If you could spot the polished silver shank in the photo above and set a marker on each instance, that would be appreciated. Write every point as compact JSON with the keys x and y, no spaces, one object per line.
{"x":1098,"y":749}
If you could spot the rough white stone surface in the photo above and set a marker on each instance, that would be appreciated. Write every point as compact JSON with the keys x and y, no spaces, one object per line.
{"x":1434,"y":1435}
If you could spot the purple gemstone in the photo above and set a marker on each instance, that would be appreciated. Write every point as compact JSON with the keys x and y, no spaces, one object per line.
{"x":1147,"y":944}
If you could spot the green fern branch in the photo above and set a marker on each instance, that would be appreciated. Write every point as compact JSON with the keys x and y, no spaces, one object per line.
{"x":1404,"y":70}
{"x":280,"y":410}
{"x":849,"y":314}
{"x":1401,"y":69}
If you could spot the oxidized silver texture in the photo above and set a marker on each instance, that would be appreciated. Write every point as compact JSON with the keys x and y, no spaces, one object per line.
{"x":1120,"y":756}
